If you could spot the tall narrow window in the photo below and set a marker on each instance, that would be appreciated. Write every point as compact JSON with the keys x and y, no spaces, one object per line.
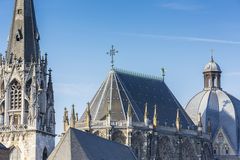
{"x":45,"y":154}
{"x":19,"y":11}
{"x":16,"y":96}
{"x":15,"y":154}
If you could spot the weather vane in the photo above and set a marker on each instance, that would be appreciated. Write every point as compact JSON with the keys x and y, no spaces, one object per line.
{"x":112,"y":53}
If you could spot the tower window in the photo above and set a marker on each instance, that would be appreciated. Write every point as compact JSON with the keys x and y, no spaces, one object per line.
{"x":16,"y":96}
{"x":19,"y":11}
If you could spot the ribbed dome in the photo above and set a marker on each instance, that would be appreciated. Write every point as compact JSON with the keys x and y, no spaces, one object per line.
{"x":222,"y":109}
{"x":212,"y":66}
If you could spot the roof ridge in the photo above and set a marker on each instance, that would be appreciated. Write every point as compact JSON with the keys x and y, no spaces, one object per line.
{"x":138,"y":74}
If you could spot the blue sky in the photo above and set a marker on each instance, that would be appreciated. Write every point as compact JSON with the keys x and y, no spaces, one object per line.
{"x":149,"y":34}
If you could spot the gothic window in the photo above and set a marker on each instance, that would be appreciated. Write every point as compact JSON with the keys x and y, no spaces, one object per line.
{"x":188,"y":151}
{"x":119,"y":137}
{"x":45,"y":154}
{"x":209,"y":82}
{"x":28,"y":87}
{"x":214,"y":151}
{"x":207,"y":154}
{"x":164,"y":149}
{"x":2,"y":90}
{"x":16,"y":96}
{"x":15,"y":154}
{"x":226,"y":149}
{"x":2,"y":110}
{"x":137,"y":144}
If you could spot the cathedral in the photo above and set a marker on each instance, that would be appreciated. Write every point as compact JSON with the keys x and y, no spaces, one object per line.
{"x":140,"y":111}
{"x":27,"y":115}
{"x":132,"y":116}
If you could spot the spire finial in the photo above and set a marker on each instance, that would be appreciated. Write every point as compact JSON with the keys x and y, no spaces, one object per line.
{"x":73,"y":118}
{"x":163,"y":73}
{"x":146,"y":114}
{"x":112,"y":53}
{"x":129,"y":114}
{"x":212,"y":53}
{"x":129,"y":110}
{"x":200,"y":126}
{"x":65,"y":120}
{"x":50,"y":74}
{"x":178,"y":123}
{"x":155,"y":117}
{"x":89,"y":118}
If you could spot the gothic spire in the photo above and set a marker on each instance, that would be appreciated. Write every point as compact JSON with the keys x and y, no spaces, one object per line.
{"x":73,"y":118}
{"x":24,"y":36}
{"x":65,"y":120}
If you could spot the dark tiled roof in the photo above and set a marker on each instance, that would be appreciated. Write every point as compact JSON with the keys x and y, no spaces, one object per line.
{"x":122,"y":87}
{"x":77,"y":145}
{"x":142,"y":89}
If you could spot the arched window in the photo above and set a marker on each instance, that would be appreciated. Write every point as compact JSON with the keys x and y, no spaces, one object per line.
{"x":226,"y":149}
{"x":15,"y":154}
{"x":16,"y":95}
{"x":45,"y":154}
{"x":2,"y":111}
{"x":137,"y":144}
{"x":2,"y":90}
{"x":119,"y":137}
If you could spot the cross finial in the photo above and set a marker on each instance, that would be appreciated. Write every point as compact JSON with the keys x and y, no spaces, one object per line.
{"x":112,"y":53}
{"x":212,"y":52}
{"x":163,"y":73}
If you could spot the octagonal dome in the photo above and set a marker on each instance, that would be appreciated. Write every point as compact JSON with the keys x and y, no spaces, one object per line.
{"x":222,"y":109}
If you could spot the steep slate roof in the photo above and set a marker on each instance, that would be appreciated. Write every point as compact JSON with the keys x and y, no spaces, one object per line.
{"x":122,"y":87}
{"x":76,"y":145}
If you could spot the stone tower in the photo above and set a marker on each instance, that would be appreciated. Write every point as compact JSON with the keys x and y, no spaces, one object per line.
{"x":27,"y":115}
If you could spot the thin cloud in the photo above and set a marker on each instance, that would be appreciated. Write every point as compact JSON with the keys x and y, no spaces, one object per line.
{"x":180,"y":6}
{"x":75,"y":90}
{"x":184,"y":38}
{"x":233,"y":74}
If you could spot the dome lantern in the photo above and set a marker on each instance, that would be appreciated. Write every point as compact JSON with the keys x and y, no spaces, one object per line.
{"x":212,"y":75}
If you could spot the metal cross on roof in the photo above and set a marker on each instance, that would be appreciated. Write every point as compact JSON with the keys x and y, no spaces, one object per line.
{"x":112,"y":53}
{"x":212,"y":52}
